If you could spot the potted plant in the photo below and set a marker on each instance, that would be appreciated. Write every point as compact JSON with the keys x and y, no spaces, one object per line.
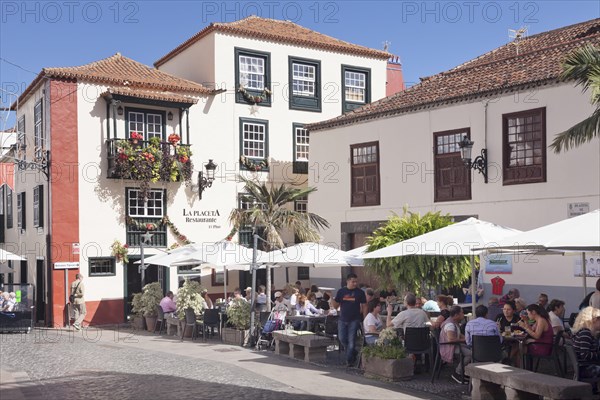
{"x":145,"y":303}
{"x":238,"y":317}
{"x":188,"y":296}
{"x":387,"y":359}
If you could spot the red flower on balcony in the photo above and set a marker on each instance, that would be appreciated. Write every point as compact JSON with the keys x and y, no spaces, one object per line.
{"x":184,"y":159}
{"x":136,"y":136}
{"x":122,"y":156}
{"x":174,"y":138}
{"x":148,"y":156}
{"x":150,"y":227}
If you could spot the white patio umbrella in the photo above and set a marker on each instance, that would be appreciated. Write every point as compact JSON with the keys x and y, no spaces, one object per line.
{"x":458,"y":239}
{"x":356,"y":255}
{"x":310,"y":254}
{"x":167,"y":259}
{"x":223,"y":255}
{"x":8,"y":256}
{"x":577,"y":234}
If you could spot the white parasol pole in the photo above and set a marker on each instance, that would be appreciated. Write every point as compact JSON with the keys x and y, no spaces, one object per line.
{"x":473,"y":286}
{"x":225,"y":284}
{"x":584,"y":274}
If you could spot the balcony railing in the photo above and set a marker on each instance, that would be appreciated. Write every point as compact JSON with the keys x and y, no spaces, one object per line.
{"x":134,"y":233}
{"x":148,"y":160}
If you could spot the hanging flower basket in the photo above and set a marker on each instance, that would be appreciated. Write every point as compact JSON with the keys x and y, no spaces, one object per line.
{"x":120,"y":251}
{"x":254,"y":164}
{"x":253,"y":99}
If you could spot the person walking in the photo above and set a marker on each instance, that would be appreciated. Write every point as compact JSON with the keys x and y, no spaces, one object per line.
{"x":351,"y":300}
{"x":78,"y":300}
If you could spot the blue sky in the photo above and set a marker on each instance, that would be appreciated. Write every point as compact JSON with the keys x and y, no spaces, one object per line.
{"x":429,"y":36}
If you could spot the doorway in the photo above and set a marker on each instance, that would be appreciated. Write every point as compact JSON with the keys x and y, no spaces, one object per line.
{"x":133,"y":280}
{"x":40,"y":284}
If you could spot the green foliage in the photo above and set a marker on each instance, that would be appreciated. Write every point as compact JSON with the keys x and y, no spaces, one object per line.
{"x":238,"y":314}
{"x":582,"y":66}
{"x":145,"y":303}
{"x":416,"y":273}
{"x":387,"y":347}
{"x":189,"y":296}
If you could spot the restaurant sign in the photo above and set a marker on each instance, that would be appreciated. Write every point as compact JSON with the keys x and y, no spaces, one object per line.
{"x":202,"y":217}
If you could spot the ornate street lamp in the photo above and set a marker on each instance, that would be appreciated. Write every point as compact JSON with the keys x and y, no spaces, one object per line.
{"x":205,"y":181}
{"x":479,"y":163}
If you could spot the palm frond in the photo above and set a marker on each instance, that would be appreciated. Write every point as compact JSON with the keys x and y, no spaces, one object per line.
{"x":583,"y":66}
{"x":578,"y":134}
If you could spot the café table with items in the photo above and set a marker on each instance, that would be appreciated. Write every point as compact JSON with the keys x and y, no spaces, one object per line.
{"x":311,"y":320}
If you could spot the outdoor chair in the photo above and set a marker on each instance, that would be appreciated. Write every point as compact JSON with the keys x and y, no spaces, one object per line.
{"x":556,"y":345}
{"x":211,"y":320}
{"x":192,"y":322}
{"x":417,"y":341}
{"x":487,"y":349}
{"x":437,"y":366}
{"x":331,"y":330}
{"x":161,"y":322}
{"x":570,"y":352}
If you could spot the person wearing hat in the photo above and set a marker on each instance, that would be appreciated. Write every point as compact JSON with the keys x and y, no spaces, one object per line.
{"x":281,"y":307}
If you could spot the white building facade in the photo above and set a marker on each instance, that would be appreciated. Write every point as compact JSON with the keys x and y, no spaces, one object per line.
{"x":404,"y":150}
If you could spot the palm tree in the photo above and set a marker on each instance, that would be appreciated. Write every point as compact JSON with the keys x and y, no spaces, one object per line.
{"x":270,"y":212}
{"x":583,"y":66}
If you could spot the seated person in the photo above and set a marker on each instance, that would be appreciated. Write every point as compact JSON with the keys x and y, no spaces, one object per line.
{"x":323,"y":302}
{"x":261,"y":299}
{"x":208,"y":304}
{"x":511,"y":295}
{"x":508,"y":317}
{"x":541,"y":331}
{"x":494,"y":308}
{"x":543,"y":300}
{"x":9,"y":301}
{"x":480,"y":326}
{"x":444,"y":303}
{"x":167,"y":304}
{"x":556,"y":311}
{"x":586,"y":343}
{"x":411,"y":317}
{"x":304,"y":307}
{"x":431,"y":306}
{"x":372,"y":325}
{"x":281,"y":307}
{"x":450,"y":333}
{"x":237,"y":295}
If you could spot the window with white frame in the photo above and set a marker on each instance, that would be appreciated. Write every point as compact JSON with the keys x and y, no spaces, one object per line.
{"x":147,"y":124}
{"x":301,"y":143}
{"x":301,"y":204}
{"x":153,"y":206}
{"x":355,"y":86}
{"x":252,"y":72}
{"x":38,"y":129}
{"x":303,"y":79}
{"x":9,"y":208}
{"x":254,"y":139}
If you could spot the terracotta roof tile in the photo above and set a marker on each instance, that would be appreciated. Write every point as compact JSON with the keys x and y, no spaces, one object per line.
{"x":538,"y":62}
{"x":121,"y":71}
{"x":280,"y":32}
{"x":150,"y":94}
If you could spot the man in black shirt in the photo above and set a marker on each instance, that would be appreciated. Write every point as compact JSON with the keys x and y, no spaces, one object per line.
{"x":351,"y":301}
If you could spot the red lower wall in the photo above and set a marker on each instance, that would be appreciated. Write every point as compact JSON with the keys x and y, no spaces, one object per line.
{"x":105,"y":312}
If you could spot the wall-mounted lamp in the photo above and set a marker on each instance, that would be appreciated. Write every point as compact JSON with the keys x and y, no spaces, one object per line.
{"x":120,"y":110}
{"x":205,"y":182}
{"x":170,"y":116}
{"x":479,"y":163}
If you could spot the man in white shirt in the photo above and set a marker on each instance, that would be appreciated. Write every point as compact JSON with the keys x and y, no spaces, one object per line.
{"x":411,"y":317}
{"x":556,"y":311}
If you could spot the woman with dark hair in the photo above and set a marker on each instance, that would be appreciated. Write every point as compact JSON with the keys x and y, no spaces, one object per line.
{"x":444,"y":303}
{"x":541,"y":331}
{"x":508,"y":317}
{"x":372,"y":324}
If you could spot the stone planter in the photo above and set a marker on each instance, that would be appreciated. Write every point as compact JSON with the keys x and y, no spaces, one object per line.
{"x":391,"y":370}
{"x":235,"y":337}
{"x":150,"y":323}
{"x":138,"y":323}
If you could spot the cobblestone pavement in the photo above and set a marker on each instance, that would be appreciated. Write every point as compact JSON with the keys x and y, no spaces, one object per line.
{"x":116,"y":364}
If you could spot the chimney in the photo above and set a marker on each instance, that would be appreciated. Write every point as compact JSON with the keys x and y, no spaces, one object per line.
{"x":395,"y":80}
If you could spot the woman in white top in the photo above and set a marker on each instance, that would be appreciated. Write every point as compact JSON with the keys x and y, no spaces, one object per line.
{"x":372,"y":325}
{"x":556,"y":310}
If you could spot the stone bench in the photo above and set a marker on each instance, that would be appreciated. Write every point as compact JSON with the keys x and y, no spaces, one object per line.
{"x":301,"y":345}
{"x":498,"y":381}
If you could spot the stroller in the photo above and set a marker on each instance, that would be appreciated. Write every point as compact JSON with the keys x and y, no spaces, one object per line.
{"x":275,"y":320}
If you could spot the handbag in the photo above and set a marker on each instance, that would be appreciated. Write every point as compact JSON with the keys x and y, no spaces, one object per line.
{"x":72,"y":296}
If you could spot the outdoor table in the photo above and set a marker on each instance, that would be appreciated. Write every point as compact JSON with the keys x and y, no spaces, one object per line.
{"x":309,"y":319}
{"x":301,"y":345}
{"x":520,"y":340}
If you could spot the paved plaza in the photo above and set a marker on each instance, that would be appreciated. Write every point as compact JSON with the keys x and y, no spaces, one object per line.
{"x":118,"y":364}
